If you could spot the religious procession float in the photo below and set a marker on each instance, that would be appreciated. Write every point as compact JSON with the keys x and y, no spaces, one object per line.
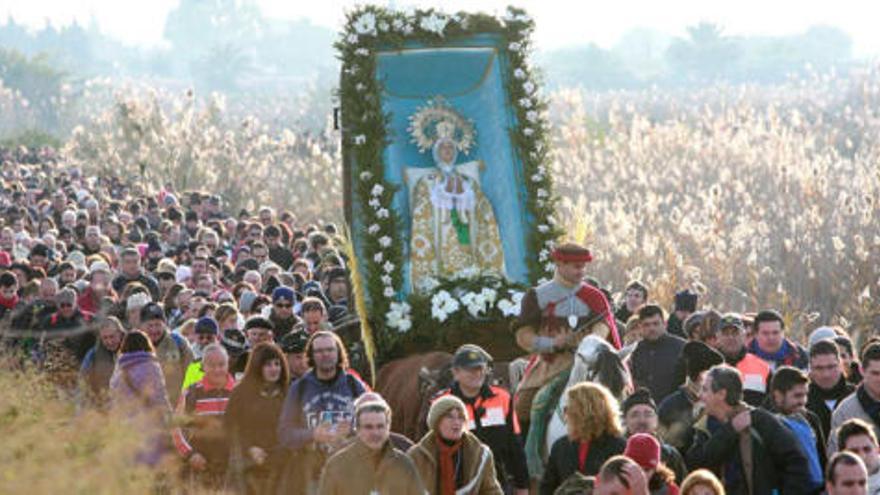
{"x":447,"y":189}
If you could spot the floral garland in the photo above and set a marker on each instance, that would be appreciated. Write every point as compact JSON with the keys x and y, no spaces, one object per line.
{"x":370,"y":27}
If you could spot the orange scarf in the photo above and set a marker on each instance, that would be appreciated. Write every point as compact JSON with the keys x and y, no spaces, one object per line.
{"x":447,"y":465}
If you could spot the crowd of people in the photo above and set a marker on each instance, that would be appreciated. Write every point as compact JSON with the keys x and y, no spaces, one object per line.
{"x":229,"y":339}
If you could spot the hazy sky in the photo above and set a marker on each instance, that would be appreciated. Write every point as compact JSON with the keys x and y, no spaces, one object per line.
{"x":559,"y":22}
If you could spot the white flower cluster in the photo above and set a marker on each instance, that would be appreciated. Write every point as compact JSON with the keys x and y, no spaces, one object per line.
{"x":399,"y":316}
{"x":434,"y":23}
{"x":511,"y":306}
{"x":365,"y":25}
{"x":478,"y":303}
{"x":442,"y":305}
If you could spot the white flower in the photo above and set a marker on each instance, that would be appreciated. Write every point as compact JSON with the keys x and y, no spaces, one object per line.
{"x":397,"y":24}
{"x":360,"y":139}
{"x":528,"y":131}
{"x":549,"y":267}
{"x":388,"y":267}
{"x":383,"y":26}
{"x":519,"y":73}
{"x":386,"y":280}
{"x":366,"y":24}
{"x":352,"y":39}
{"x":362,"y":52}
{"x":543,"y":229}
{"x":374,"y":203}
{"x":428,"y":284}
{"x":360,"y":87}
{"x":377,"y":190}
{"x":407,"y":30}
{"x":388,"y":292}
{"x":525,"y":103}
{"x":373,"y":229}
{"x":385,"y":241}
{"x":434,"y":23}
{"x":365,"y":176}
{"x":382,"y":213}
{"x":543,"y":255}
{"x":378,"y":257}
{"x":401,"y":307}
{"x":532,"y":116}
{"x":489,"y":294}
{"x":541,"y":193}
{"x":508,"y":308}
{"x":514,"y":47}
{"x":404,"y":325}
{"x":537,"y":178}
{"x":529,"y":87}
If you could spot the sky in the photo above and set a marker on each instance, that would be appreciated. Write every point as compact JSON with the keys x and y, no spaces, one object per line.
{"x":559,"y":22}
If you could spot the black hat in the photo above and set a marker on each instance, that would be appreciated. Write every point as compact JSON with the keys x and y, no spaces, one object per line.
{"x":233,"y":341}
{"x":40,"y":250}
{"x":686,"y":301}
{"x":294,"y":342}
{"x":640,"y":396}
{"x":152,"y":311}
{"x":335,"y":273}
{"x":258,"y":322}
{"x":470,"y":356}
{"x":248,"y":264}
{"x":699,"y":357}
{"x":207,"y":326}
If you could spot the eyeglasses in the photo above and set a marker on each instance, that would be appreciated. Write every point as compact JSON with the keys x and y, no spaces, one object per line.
{"x":283,"y":305}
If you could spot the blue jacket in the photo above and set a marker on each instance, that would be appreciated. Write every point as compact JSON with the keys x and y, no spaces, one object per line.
{"x":311,"y":401}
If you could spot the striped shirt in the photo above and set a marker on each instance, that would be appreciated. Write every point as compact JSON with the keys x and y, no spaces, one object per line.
{"x":203,"y":407}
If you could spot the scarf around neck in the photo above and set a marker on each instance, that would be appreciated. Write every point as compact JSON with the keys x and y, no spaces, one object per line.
{"x":775,"y":357}
{"x":9,"y":303}
{"x":448,"y":465}
{"x":871,"y":406}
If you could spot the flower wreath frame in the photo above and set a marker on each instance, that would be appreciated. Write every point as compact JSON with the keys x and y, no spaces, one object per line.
{"x":369,"y":28}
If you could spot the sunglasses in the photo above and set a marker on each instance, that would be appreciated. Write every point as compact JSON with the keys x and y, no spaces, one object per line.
{"x":284,"y":305}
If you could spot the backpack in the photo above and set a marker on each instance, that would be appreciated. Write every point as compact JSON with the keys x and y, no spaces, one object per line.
{"x":802,"y":430}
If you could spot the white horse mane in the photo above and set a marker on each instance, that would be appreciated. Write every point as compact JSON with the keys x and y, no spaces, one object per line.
{"x":584,"y":369}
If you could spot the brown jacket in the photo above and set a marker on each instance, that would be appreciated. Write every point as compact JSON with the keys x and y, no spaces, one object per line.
{"x":356,"y":470}
{"x":479,"y":466}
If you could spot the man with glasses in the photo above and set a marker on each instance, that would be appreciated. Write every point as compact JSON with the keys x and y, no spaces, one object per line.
{"x":316,"y":417}
{"x":72,"y":323}
{"x":828,"y":385}
{"x":282,"y":315}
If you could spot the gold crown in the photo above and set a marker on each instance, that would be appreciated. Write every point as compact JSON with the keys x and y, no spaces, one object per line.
{"x":436,"y":120}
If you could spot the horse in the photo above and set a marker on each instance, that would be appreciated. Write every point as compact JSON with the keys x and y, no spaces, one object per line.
{"x":595,"y":361}
{"x":408,"y":384}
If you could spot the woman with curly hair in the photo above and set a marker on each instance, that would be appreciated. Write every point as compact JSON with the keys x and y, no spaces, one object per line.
{"x":594,"y":435}
{"x":702,"y":482}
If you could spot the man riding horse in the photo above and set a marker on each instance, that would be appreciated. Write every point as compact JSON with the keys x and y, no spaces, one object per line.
{"x":554,"y":317}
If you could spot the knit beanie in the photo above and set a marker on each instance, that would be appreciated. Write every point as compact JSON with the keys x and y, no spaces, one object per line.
{"x":821,"y":333}
{"x":441,"y":406}
{"x":644,"y":449}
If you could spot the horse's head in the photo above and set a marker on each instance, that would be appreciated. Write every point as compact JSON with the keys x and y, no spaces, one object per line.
{"x":596,"y":360}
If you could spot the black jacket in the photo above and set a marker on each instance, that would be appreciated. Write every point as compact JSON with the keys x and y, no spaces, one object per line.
{"x":676,"y":417}
{"x":148,"y":281}
{"x":777,"y":460}
{"x":653,"y":365}
{"x":563,"y":460}
{"x":816,"y":401}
